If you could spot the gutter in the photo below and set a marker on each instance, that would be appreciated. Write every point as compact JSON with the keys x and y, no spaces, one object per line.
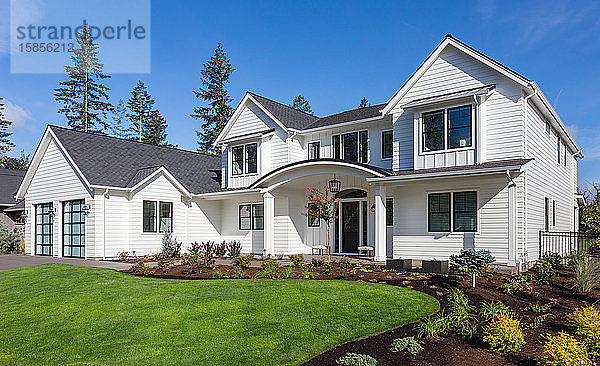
{"x":445,"y":174}
{"x":349,"y":123}
{"x":216,"y":195}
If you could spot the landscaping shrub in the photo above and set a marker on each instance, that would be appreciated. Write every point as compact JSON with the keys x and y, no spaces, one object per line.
{"x":195,"y":249}
{"x":268,"y":269}
{"x":10,"y":239}
{"x":540,"y":308}
{"x":491,"y":309}
{"x":307,"y":271}
{"x":220,"y":249}
{"x":345,"y":267}
{"x":586,"y":322}
{"x":468,"y":329}
{"x":317,"y":263}
{"x":327,"y":268}
{"x":545,"y":269}
{"x":219,"y":274}
{"x":434,"y":326}
{"x":207,"y":249}
{"x":240,"y":273}
{"x":356,"y":359}
{"x":140,"y":267}
{"x":473,"y":262}
{"x":564,"y":350}
{"x":163,"y":262}
{"x":504,"y":334}
{"x":242,"y":262}
{"x":123,"y":256}
{"x":234,"y":249}
{"x":288,"y":272}
{"x":170,"y":246}
{"x":297,"y":260}
{"x":460,"y":309}
{"x":587,"y":273}
{"x":407,"y":343}
{"x":518,"y":284}
{"x":572,"y":258}
{"x":191,"y":262}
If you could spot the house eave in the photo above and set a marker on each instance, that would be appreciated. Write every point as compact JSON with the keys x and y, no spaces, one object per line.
{"x":446,"y":174}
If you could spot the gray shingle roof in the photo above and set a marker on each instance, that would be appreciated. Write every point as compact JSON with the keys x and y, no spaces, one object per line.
{"x":109,"y":161}
{"x":347,"y":116}
{"x":290,"y":117}
{"x":488,"y":164}
{"x":10,"y":180}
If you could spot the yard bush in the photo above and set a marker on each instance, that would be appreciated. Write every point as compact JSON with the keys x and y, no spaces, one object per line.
{"x":327,"y":268}
{"x":307,"y":271}
{"x":221,"y":249}
{"x":268,"y":269}
{"x":587,"y":273}
{"x":545,"y":269}
{"x":564,"y":350}
{"x":234,"y":249}
{"x":191,"y":262}
{"x":468,"y":329}
{"x":473,"y":262}
{"x":163,"y":262}
{"x":407,"y":343}
{"x":491,"y":309}
{"x":586,"y":322}
{"x":297,"y":260}
{"x":242,"y":262}
{"x":345,"y":267}
{"x":518,"y":284}
{"x":207,"y":249}
{"x":10,"y":239}
{"x":460,"y":309}
{"x":170,"y":246}
{"x":504,"y":334}
{"x":356,"y":359}
{"x":434,"y":326}
{"x":123,"y":256}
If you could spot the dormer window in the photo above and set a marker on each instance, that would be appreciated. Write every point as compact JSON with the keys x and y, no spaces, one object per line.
{"x":447,"y":129}
{"x":244,"y":159}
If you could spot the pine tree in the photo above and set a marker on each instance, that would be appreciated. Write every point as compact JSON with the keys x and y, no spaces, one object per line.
{"x":139,"y":108}
{"x":83,"y":97}
{"x":20,"y":163}
{"x":5,"y":142}
{"x":154,"y":130}
{"x":215,"y":77}
{"x":118,"y":127}
{"x":364,"y":103}
{"x":302,"y":104}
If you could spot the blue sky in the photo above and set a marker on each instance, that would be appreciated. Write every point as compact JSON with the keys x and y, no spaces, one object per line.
{"x":335,"y":53}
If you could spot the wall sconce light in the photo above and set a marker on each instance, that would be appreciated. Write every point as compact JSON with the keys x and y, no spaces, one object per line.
{"x":86,"y":209}
{"x":373,"y":208}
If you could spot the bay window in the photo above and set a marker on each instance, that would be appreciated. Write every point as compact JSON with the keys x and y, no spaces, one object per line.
{"x":337,"y":147}
{"x":433,"y":131}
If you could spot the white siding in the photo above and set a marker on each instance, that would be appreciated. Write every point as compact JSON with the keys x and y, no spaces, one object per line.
{"x":55,"y":181}
{"x":251,"y":240}
{"x":251,"y":120}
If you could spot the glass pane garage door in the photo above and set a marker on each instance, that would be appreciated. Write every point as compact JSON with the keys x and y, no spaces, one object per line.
{"x":73,"y":229}
{"x":43,"y":229}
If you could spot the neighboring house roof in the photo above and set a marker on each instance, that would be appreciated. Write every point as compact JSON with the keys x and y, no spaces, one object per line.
{"x":20,"y":206}
{"x":10,"y":180}
{"x":113,"y":162}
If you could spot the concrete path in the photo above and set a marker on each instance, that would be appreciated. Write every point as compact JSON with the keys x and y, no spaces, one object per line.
{"x":9,"y":261}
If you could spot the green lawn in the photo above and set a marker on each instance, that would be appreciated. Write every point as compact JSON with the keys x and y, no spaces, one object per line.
{"x":61,"y":314}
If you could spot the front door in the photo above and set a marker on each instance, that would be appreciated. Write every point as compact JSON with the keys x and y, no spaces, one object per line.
{"x":350,"y":226}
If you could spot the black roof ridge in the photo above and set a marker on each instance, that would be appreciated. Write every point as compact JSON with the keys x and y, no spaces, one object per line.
{"x":135,"y":142}
{"x":285,"y":105}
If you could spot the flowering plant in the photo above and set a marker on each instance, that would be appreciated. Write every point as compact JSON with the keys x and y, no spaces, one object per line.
{"x":322,"y":206}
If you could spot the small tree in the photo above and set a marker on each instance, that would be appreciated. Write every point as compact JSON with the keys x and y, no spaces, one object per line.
{"x":322,"y":206}
{"x":590,"y":212}
{"x":302,"y":104}
{"x":364,"y":103}
{"x":473,"y":262}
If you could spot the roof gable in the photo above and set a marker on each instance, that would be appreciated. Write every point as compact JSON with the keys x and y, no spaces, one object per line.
{"x":10,"y":180}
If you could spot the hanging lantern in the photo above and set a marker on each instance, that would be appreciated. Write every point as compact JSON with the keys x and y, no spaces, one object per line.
{"x":334,"y":185}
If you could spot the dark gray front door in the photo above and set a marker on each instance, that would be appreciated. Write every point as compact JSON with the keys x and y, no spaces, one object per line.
{"x":350,"y":226}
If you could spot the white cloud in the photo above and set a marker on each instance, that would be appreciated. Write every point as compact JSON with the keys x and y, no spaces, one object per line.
{"x":573,"y":130}
{"x":16,"y":114}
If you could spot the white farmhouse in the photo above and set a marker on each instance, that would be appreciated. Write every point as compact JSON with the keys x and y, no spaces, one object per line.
{"x":467,"y":154}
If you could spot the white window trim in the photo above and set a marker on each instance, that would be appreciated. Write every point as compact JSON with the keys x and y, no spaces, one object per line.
{"x":381,"y":147}
{"x":157,"y":217}
{"x":244,"y":173}
{"x":421,"y":143}
{"x":251,"y":216}
{"x":451,"y":192}
{"x":308,"y":148}
{"x":307,"y":225}
{"x":340,"y":134}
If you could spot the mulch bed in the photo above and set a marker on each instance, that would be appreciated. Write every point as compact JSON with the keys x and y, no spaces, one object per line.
{"x":451,"y":349}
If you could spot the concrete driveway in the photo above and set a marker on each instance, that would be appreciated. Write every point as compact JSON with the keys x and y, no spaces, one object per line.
{"x":10,"y":261}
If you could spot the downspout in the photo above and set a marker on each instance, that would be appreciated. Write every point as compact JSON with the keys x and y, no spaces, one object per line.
{"x":289,"y":143}
{"x":104,"y":223}
{"x":523,"y":259}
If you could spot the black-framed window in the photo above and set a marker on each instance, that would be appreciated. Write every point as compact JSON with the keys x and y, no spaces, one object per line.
{"x":553,"y":213}
{"x":465,"y":211}
{"x":245,"y":217}
{"x":558,"y":149}
{"x":439,"y":212}
{"x":43,"y":229}
{"x":313,"y":221}
{"x":546,"y":214}
{"x":389,"y":212}
{"x":149,"y":216}
{"x":258,"y":216}
{"x":251,"y":158}
{"x":350,"y":146}
{"x":363,"y":146}
{"x":459,"y":127}
{"x":314,"y":150}
{"x":237,"y":160}
{"x":73,"y":229}
{"x":336,"y":146}
{"x":165,"y":217}
{"x":387,"y":147}
{"x":433,"y":131}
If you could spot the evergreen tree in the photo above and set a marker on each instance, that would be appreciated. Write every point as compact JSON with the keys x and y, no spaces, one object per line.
{"x":364,"y":103}
{"x":139,"y":110}
{"x":20,"y":163}
{"x":302,"y":104}
{"x":118,"y":128}
{"x":154,"y":130}
{"x":5,"y":143}
{"x":83,"y":97}
{"x":215,"y":77}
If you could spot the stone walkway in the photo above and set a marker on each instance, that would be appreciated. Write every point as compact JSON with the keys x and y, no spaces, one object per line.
{"x":10,"y":261}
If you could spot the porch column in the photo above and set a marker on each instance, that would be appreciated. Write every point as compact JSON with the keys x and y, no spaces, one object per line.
{"x":380,"y":228}
{"x":269,"y":225}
